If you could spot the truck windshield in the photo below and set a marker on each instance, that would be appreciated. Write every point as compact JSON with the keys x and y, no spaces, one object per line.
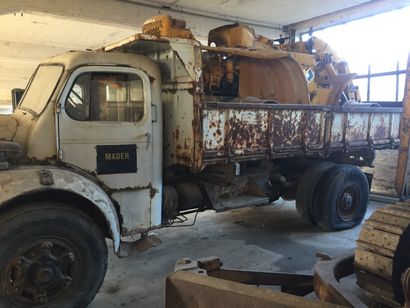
{"x":41,"y":87}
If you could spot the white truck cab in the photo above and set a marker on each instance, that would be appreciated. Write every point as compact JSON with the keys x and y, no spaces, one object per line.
{"x":99,"y":116}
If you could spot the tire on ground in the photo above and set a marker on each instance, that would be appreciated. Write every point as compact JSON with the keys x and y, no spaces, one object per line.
{"x":341,"y":198}
{"x":50,"y":254}
{"x":306,"y":190}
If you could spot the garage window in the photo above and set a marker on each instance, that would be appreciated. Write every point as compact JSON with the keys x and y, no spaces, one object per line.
{"x":96,"y":96}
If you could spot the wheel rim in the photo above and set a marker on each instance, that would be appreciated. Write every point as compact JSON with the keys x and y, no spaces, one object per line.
{"x":42,"y":272}
{"x":347,"y":202}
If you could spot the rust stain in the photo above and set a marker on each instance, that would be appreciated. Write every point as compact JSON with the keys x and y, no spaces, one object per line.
{"x":152,"y":192}
{"x":248,"y":133}
{"x":357,"y":127}
{"x":131,"y":188}
{"x":287,"y":128}
{"x":176,"y":134}
{"x":382,"y":129}
{"x":185,"y":159}
{"x":405,"y":126}
{"x":281,"y":132}
{"x":187,"y":142}
{"x":313,"y":136}
{"x":196,"y":156}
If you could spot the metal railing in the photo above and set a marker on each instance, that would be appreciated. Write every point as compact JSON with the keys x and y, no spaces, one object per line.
{"x":371,"y":75}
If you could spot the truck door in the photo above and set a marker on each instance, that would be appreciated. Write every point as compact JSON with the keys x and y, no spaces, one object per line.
{"x":105,"y":127}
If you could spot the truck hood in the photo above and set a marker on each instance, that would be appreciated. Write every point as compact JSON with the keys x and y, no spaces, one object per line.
{"x":8,"y":127}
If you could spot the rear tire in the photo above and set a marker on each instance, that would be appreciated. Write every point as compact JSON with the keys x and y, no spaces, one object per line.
{"x":51,"y":255}
{"x":341,"y":198}
{"x":306,"y":190}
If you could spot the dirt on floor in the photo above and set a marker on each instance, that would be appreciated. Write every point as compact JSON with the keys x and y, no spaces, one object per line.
{"x":268,"y":238}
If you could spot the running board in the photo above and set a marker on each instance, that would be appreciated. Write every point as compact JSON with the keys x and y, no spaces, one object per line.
{"x":221,"y":205}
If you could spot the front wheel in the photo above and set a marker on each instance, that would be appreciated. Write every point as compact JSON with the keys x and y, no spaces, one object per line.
{"x":51,"y":255}
{"x":341,"y":198}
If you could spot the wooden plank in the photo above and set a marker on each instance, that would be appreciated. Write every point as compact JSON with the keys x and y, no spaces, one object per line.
{"x":393,"y":211}
{"x":374,"y":263}
{"x":375,"y":249}
{"x":398,"y":221}
{"x":385,"y":227}
{"x":379,"y":238}
{"x":400,"y":209}
{"x":403,"y":158}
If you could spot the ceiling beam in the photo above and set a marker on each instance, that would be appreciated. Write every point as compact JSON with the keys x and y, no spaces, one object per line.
{"x":363,"y":10}
{"x":5,"y":106}
{"x":75,"y":10}
{"x":172,"y":8}
{"x":127,"y":13}
{"x":8,"y":85}
{"x":27,"y":51}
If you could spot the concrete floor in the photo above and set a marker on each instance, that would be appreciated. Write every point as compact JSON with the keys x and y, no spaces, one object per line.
{"x":270,"y":238}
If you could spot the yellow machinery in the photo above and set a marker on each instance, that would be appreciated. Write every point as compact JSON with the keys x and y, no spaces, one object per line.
{"x":238,"y":63}
{"x":327,"y":78}
{"x":166,"y":26}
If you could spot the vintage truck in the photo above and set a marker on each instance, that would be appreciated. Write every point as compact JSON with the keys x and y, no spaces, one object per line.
{"x":116,"y":142}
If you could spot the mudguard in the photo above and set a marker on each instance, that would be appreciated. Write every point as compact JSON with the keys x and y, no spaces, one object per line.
{"x":25,"y":180}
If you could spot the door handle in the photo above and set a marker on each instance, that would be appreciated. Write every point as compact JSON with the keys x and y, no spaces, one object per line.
{"x":154,"y":113}
{"x":148,"y":139}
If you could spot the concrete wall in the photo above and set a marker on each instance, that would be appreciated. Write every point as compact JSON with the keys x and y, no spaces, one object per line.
{"x":5,"y":108}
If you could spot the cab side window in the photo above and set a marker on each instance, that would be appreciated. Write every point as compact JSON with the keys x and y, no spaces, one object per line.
{"x":78,"y":100}
{"x":117,"y":97}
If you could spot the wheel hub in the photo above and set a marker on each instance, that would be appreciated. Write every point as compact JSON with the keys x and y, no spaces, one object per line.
{"x":44,"y":275}
{"x":347,"y":202}
{"x":41,"y":273}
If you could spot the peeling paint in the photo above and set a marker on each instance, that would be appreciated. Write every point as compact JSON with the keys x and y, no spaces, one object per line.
{"x":235,"y":130}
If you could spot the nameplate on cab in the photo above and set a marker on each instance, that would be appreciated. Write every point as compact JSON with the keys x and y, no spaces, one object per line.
{"x":116,"y":158}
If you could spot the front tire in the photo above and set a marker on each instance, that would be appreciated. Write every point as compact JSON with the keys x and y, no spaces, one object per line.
{"x":51,"y":255}
{"x":341,"y":198}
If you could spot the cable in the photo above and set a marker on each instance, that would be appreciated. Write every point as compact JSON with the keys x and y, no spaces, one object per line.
{"x":183,"y":220}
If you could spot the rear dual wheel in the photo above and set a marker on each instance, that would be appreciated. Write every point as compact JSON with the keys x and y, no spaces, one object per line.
{"x":335,"y":196}
{"x":341,"y":198}
{"x":306,"y":190}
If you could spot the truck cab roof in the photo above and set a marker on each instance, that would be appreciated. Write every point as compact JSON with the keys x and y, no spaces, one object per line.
{"x":74,"y":59}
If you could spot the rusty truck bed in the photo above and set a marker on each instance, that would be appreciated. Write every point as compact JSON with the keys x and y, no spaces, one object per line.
{"x":240,"y":130}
